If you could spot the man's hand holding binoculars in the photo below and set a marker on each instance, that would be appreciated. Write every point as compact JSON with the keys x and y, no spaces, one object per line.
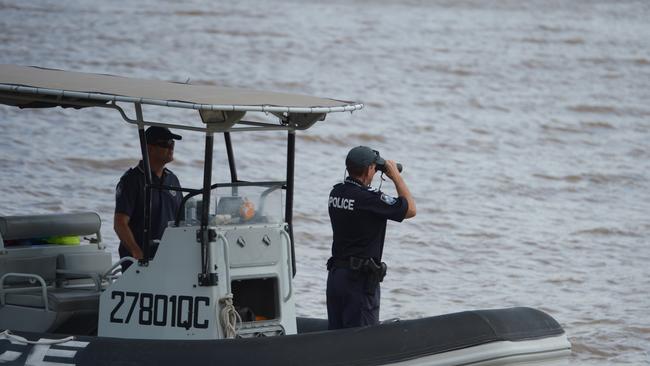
{"x":391,"y":170}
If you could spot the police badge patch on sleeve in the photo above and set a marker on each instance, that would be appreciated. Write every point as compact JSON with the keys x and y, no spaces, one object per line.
{"x":388,"y":199}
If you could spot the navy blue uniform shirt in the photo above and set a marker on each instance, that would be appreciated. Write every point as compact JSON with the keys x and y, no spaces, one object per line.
{"x":129,"y":200}
{"x":358,"y":215}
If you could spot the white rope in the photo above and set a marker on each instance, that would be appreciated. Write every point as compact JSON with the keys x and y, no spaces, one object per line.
{"x":230,"y":318}
{"x":8,"y":335}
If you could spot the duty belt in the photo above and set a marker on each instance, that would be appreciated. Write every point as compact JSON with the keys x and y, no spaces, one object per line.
{"x":364,"y":265}
{"x":353,"y":263}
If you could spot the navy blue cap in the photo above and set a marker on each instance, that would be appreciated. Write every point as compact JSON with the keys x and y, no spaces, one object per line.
{"x":155,"y":134}
{"x":363,"y":156}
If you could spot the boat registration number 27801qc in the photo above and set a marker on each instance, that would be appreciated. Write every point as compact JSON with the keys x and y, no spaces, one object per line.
{"x":219,"y":289}
{"x":161,"y":310}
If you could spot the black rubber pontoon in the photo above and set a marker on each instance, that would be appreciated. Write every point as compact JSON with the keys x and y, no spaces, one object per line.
{"x":389,"y":343}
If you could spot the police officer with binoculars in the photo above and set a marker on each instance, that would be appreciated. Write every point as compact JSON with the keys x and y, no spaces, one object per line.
{"x":359,"y":214}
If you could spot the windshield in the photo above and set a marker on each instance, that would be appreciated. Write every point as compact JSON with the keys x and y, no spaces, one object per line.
{"x":240,"y":205}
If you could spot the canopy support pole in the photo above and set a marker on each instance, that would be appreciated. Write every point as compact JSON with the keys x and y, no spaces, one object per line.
{"x":288,"y":216}
{"x":146,"y":235}
{"x":231,"y":162}
{"x":231,"y":157}
{"x":206,"y":277}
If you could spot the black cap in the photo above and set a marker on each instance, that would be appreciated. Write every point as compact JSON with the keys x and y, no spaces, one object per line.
{"x":363,"y":156}
{"x":155,"y":134}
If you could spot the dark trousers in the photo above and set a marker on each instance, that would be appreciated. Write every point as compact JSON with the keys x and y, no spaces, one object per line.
{"x":350,"y":303}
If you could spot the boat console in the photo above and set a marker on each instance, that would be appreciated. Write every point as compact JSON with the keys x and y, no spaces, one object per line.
{"x":249,"y":262}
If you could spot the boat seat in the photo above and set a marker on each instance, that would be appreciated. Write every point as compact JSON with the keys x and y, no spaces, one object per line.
{"x":26,"y":291}
{"x":39,"y":226}
{"x":79,"y":266}
{"x":42,"y":266}
{"x":59,"y":300}
{"x":29,"y":299}
{"x":95,"y":262}
{"x":57,"y":285}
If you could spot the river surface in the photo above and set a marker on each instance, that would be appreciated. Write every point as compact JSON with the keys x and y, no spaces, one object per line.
{"x":523,"y":126}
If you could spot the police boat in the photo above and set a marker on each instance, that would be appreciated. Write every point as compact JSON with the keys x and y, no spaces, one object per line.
{"x":219,"y":289}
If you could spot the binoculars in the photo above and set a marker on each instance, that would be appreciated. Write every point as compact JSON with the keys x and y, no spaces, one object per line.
{"x":382,"y":167}
{"x":380,"y":163}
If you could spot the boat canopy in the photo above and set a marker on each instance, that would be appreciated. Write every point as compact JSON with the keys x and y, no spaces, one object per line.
{"x":105,"y":88}
{"x":36,"y":87}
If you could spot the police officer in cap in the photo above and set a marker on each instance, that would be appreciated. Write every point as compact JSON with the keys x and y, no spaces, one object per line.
{"x":359,"y":214}
{"x":129,"y":198}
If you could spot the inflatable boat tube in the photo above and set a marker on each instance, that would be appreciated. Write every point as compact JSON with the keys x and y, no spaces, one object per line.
{"x":455,"y":339}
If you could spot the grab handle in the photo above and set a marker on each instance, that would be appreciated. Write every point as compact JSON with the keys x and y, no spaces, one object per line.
{"x":38,"y":278}
{"x":285,"y":234}
{"x":111,"y":272}
{"x":226,"y":258}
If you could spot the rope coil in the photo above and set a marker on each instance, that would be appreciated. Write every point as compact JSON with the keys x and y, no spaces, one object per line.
{"x":230,"y":318}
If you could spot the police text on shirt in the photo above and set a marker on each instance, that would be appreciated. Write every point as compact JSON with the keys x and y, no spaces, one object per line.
{"x":343,"y":203}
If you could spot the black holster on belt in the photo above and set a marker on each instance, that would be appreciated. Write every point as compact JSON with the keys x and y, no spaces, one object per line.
{"x":374,"y":273}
